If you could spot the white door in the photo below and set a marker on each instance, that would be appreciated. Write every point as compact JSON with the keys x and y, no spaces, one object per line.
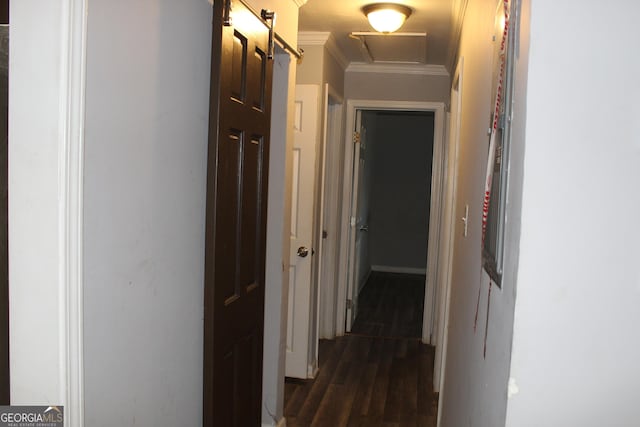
{"x":359,"y":265}
{"x":302,"y":214}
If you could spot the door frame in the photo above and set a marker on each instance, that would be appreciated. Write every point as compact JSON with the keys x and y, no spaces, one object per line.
{"x":329,"y":217}
{"x":448,"y":230}
{"x":278,"y":232}
{"x":437,"y":175}
{"x":53,"y":194}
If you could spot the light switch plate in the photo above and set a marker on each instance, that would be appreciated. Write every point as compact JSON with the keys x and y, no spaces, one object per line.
{"x":465,"y":221}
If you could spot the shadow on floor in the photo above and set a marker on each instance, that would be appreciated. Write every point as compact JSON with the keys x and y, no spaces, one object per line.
{"x":391,"y":305}
{"x":372,"y":378}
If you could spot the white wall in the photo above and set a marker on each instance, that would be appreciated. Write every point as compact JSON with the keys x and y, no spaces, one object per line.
{"x":320,"y":67}
{"x":475,"y":386}
{"x":146,"y":130}
{"x":333,"y":72}
{"x":575,"y":349}
{"x":147,"y":111}
{"x":36,"y":286}
{"x":310,"y":68}
{"x":319,"y":64}
{"x":396,"y":86}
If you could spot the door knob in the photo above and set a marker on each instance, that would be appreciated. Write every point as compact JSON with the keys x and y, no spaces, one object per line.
{"x":303,"y":251}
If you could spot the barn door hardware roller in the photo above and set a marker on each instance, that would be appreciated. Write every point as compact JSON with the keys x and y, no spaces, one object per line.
{"x":269,"y":17}
{"x":226,"y":13}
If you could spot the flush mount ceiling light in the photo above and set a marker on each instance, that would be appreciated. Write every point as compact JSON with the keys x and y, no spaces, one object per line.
{"x":386,"y":17}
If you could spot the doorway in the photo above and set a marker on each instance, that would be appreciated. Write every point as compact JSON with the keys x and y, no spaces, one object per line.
{"x":392,"y":163}
{"x":348,"y":285}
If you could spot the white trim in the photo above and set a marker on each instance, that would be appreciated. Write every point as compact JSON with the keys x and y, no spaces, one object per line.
{"x":319,"y":225}
{"x":335,"y":51}
{"x":435,"y":223}
{"x":313,"y":369}
{"x":438,"y":138}
{"x":313,"y":38}
{"x":278,"y":233}
{"x":411,"y":69}
{"x":299,"y":3}
{"x":401,"y":270}
{"x":45,"y":209}
{"x":326,"y":39}
{"x":71,"y":175}
{"x":447,"y":236}
{"x":333,"y":128}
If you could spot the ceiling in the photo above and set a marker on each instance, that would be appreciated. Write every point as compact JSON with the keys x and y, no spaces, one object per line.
{"x":341,"y":17}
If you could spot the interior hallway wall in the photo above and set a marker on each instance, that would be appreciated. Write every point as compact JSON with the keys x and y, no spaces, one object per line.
{"x":147,"y":114}
{"x":319,"y":66}
{"x":311,"y":69}
{"x":396,"y":86}
{"x":475,"y":385}
{"x":401,"y":147}
{"x":575,"y":346}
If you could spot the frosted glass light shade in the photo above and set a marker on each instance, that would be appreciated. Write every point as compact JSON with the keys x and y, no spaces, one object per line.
{"x":386,"y":17}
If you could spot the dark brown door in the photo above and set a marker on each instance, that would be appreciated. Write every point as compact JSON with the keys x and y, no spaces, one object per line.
{"x":240,"y":110}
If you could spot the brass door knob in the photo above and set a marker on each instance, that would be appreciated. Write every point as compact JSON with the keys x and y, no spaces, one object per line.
{"x":303,"y":251}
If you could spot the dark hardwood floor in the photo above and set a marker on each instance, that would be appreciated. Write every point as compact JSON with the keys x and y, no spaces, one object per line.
{"x":391,"y":305}
{"x":372,"y":378}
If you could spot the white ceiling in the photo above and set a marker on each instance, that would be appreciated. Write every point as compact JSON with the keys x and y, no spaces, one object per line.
{"x":341,"y":17}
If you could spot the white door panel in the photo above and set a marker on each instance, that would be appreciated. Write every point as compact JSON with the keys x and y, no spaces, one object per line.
{"x":302,"y":214}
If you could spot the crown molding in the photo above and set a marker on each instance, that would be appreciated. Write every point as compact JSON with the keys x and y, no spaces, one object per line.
{"x":299,"y":3}
{"x":414,"y":69}
{"x":326,"y":39}
{"x":335,"y":51}
{"x":313,"y":38}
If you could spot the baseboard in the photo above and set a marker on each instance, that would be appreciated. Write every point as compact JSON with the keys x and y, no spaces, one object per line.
{"x":403,"y":270}
{"x":312,"y":370}
{"x":281,"y":423}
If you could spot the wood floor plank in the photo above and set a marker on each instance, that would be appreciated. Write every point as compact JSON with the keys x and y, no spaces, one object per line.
{"x":362,"y":399}
{"x":379,"y":377}
{"x":409,"y":406}
{"x":391,"y":305}
{"x":381,"y":382}
{"x":425,"y":380}
{"x":387,"y":382}
{"x":320,"y":384}
{"x":337,"y":402}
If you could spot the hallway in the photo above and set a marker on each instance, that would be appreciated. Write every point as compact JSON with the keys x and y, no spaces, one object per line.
{"x":372,"y":378}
